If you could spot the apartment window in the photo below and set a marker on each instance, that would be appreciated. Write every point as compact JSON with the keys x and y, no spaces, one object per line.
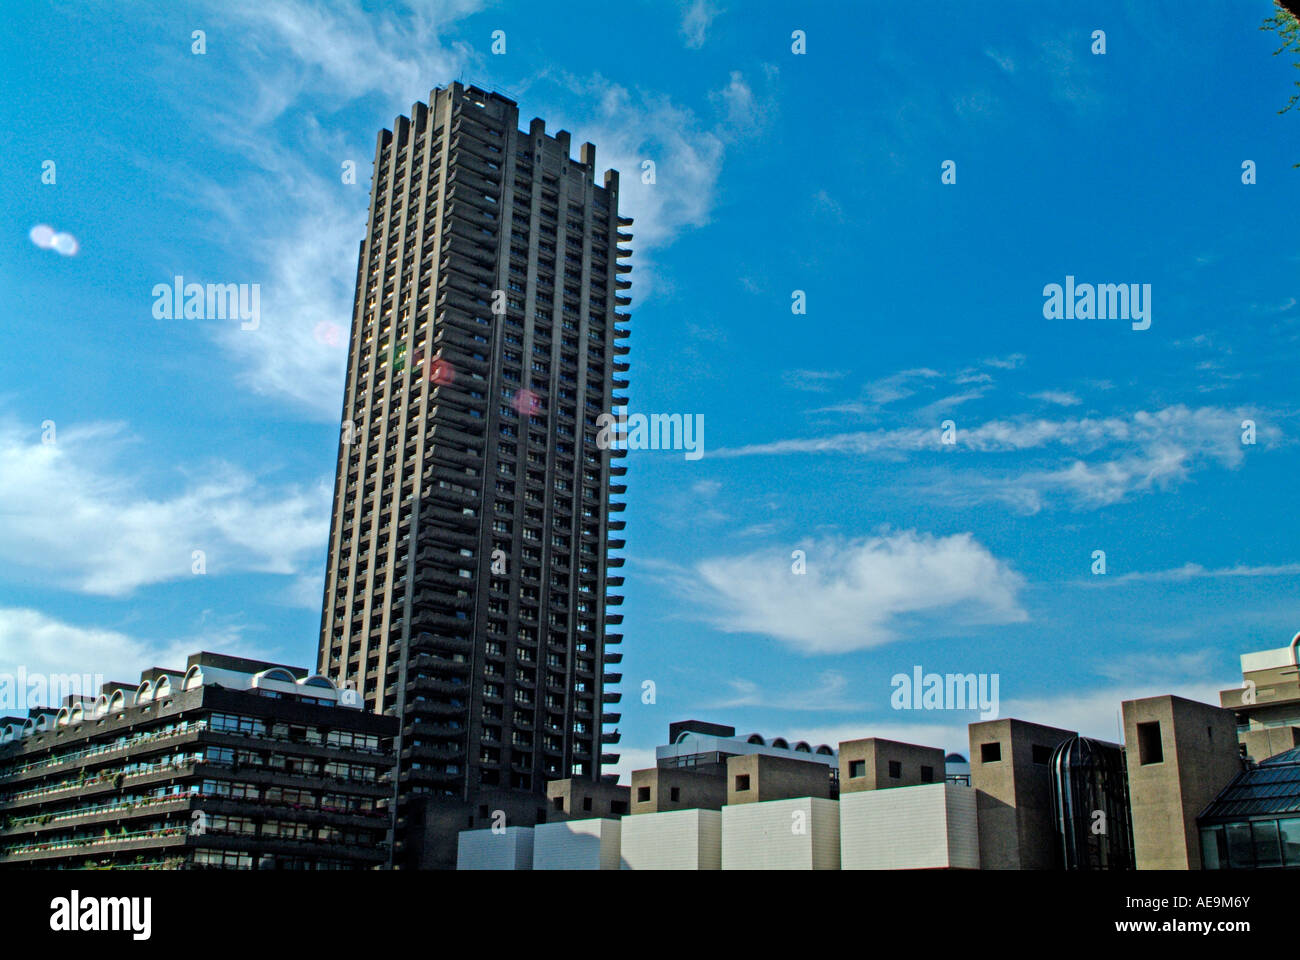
{"x":742,"y":783}
{"x":927,"y":774}
{"x":558,"y":803}
{"x":857,"y":768}
{"x":990,"y":752}
{"x":642,"y":794}
{"x":1042,"y":754}
{"x":895,"y":770}
{"x":1150,"y":749}
{"x":675,"y":794}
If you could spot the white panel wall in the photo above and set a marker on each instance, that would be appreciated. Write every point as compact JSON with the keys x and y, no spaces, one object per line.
{"x":577,"y":845}
{"x":963,"y":828}
{"x":801,"y":834}
{"x":512,"y":849}
{"x":673,"y":840}
{"x":930,"y":826}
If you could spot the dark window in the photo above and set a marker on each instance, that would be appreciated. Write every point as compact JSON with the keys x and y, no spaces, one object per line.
{"x":895,"y":770}
{"x":1042,"y":754}
{"x":1241,"y":849}
{"x":742,"y":782}
{"x":586,"y":803}
{"x":642,"y":794}
{"x":990,"y":752}
{"x":857,"y":768}
{"x":927,"y":774}
{"x":675,"y":794}
{"x":558,"y":803}
{"x":618,"y":807}
{"x":1150,"y":750}
{"x":1267,"y":851}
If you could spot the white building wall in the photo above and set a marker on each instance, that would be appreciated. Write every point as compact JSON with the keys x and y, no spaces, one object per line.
{"x":929,"y":826}
{"x":672,"y":840}
{"x":511,"y":849}
{"x":963,"y":828}
{"x":799,"y":834}
{"x":577,"y":845}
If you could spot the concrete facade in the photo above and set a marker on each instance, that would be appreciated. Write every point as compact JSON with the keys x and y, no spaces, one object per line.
{"x":798,"y":834}
{"x":1267,"y":742}
{"x":1011,"y":777}
{"x":581,"y":799}
{"x":673,"y":840}
{"x":511,"y":849}
{"x":1180,"y":755}
{"x":756,"y":778}
{"x":577,"y":845}
{"x":660,"y":789}
{"x":875,"y":764}
{"x":930,"y":826}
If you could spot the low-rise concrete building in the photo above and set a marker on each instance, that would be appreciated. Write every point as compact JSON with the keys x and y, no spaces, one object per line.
{"x":874,"y":763}
{"x":758,"y":777}
{"x":660,"y":789}
{"x":583,"y":799}
{"x":1011,"y":775}
{"x":1180,"y":755}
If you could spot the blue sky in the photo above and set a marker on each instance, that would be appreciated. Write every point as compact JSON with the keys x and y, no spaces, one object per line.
{"x":775,"y":172}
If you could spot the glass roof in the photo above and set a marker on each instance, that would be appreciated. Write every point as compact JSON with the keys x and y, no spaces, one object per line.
{"x":1272,"y":788}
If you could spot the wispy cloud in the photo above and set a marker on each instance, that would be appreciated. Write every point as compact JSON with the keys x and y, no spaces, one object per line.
{"x":697,"y":17}
{"x":1151,"y":450}
{"x":827,"y":694}
{"x":812,"y":381}
{"x":1060,"y":398}
{"x":1194,"y":571}
{"x":303,"y":63}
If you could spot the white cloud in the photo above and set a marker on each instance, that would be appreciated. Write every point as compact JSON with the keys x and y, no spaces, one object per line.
{"x":828,"y":694}
{"x":812,"y":381}
{"x":1061,"y":398}
{"x":40,"y":644}
{"x":73,"y":514}
{"x":899,"y":386}
{"x":1153,"y":450}
{"x":344,"y":52}
{"x":1004,"y":61}
{"x":1091,"y":713}
{"x":1194,"y":571}
{"x":855,"y":594}
{"x":298,"y":221}
{"x":697,"y":17}
{"x":302,"y":63}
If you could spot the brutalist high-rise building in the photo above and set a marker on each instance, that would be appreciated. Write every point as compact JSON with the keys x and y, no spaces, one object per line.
{"x":466,"y":589}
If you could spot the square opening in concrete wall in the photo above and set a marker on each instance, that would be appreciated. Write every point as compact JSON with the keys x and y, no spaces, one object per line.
{"x":1150,"y":749}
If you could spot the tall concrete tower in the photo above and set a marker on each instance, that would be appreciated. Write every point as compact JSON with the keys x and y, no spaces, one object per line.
{"x":467,"y":584}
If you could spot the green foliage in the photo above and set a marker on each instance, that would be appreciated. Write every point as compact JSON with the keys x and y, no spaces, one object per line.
{"x":1287,"y":27}
{"x":1286,"y":24}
